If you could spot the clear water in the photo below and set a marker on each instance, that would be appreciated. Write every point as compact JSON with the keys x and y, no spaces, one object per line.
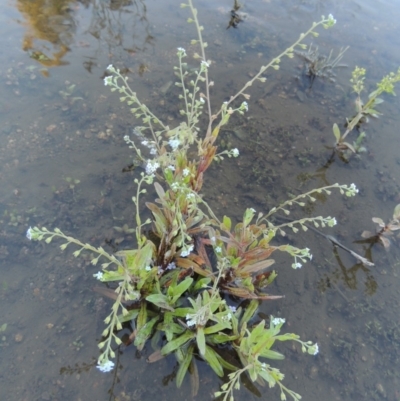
{"x":60,"y":124}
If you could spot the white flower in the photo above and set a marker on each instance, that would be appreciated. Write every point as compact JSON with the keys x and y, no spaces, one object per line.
{"x":190,"y":196}
{"x":126,"y":138}
{"x":330,"y":17}
{"x":212,"y":239}
{"x":332,"y":222}
{"x":296,"y":265}
{"x":170,"y":167}
{"x":316,"y":349}
{"x":245,"y":106}
{"x":147,"y":268}
{"x":185,"y":172}
{"x":174,"y":186}
{"x":29,"y":233}
{"x":202,"y":100}
{"x":174,"y":143}
{"x":232,"y":308}
{"x":181,"y":49}
{"x":106,"y":366}
{"x":99,"y":276}
{"x":190,"y":319}
{"x":110,"y":67}
{"x":186,"y":252}
{"x":153,"y":151}
{"x":218,"y":249}
{"x":151,"y":167}
{"x":354,"y":188}
{"x":235,"y":152}
{"x":278,"y":320}
{"x":145,"y":143}
{"x":171,"y":266}
{"x":107,"y":81}
{"x":205,"y":64}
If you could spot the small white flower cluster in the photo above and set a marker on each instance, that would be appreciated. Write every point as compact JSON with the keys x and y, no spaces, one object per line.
{"x":29,"y":233}
{"x":330,"y":18}
{"x":181,"y":51}
{"x":277,"y":320}
{"x":235,"y":152}
{"x":232,"y":308}
{"x":228,"y":317}
{"x":296,"y":265}
{"x":147,"y":268}
{"x":185,"y":172}
{"x":106,"y":366}
{"x":174,"y":143}
{"x":99,"y":276}
{"x":108,"y":80}
{"x":352,"y":190}
{"x":151,"y":167}
{"x":171,"y":266}
{"x":331,"y":222}
{"x":191,"y":319}
{"x":218,"y":249}
{"x":186,"y":251}
{"x":204,"y":65}
{"x":170,"y":167}
{"x":190,"y":196}
{"x":244,"y":106}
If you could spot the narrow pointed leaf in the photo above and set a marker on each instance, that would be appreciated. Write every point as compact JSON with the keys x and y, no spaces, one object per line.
{"x":212,"y":358}
{"x":177,"y":342}
{"x":183,"y":366}
{"x":201,"y":341}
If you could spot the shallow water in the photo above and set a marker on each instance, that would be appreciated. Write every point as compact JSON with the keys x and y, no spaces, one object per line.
{"x":60,"y":125}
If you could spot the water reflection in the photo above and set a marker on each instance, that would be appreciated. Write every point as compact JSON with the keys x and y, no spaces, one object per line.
{"x":49,"y":22}
{"x":46,"y":297}
{"x":51,"y":28}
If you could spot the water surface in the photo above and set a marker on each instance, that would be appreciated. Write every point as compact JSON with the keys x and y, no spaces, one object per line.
{"x":62,"y":154}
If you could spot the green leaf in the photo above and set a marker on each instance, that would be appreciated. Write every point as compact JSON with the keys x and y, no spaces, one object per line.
{"x":183,"y":366}
{"x":177,"y":342}
{"x":132,"y":314}
{"x":144,"y":333}
{"x":160,"y":300}
{"x":267,"y":353}
{"x":182,"y":287}
{"x":217,"y":327}
{"x":212,"y":358}
{"x":248,"y":216}
{"x":221,"y":338}
{"x":227,"y":223}
{"x":142,"y":317}
{"x":249,"y":312}
{"x":201,"y":341}
{"x":336,"y":132}
{"x":396,"y":213}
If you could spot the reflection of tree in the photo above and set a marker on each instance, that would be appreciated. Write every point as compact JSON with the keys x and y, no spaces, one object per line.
{"x":50,"y":22}
{"x":115,"y":24}
{"x":111,"y":23}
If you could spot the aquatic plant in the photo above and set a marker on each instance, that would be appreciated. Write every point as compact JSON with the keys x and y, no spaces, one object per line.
{"x":317,"y":65}
{"x":384,"y":230}
{"x":364,"y":111}
{"x":194,"y":281}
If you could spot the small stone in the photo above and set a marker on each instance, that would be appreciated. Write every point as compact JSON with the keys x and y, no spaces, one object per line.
{"x":18,"y":338}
